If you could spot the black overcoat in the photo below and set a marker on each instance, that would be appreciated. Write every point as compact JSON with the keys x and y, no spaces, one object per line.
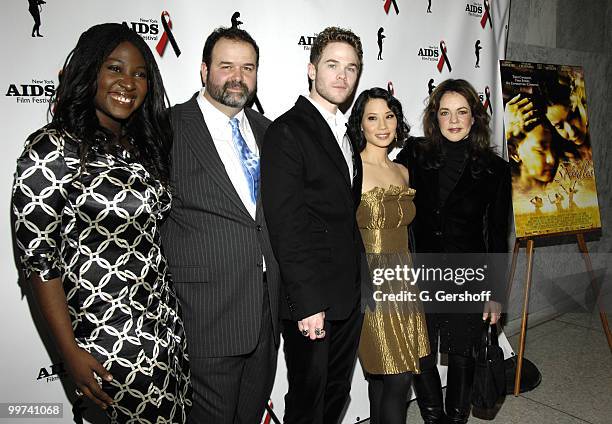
{"x":474,"y":219}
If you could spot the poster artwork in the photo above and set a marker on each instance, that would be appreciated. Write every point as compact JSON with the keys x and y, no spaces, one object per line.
{"x":547,"y":132}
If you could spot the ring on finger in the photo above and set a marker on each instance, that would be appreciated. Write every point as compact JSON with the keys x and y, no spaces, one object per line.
{"x":304,"y":332}
{"x":319,"y":331}
{"x":78,"y":392}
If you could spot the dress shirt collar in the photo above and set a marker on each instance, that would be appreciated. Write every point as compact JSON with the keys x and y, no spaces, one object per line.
{"x":337,"y":120}
{"x":215,"y":119}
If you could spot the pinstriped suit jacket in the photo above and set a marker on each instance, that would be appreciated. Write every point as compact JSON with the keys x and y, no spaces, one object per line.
{"x":213,"y":245}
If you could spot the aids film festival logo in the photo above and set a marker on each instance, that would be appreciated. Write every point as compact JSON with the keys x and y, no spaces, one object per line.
{"x":482,"y":11}
{"x":305,"y":41}
{"x":429,"y":53}
{"x":485,"y":99}
{"x":147,"y":28}
{"x":438,"y":54}
{"x":443,"y":60}
{"x":157,"y":31}
{"x":36,"y":91}
{"x":167,"y":36}
{"x":51,"y":373}
{"x":387,"y":6}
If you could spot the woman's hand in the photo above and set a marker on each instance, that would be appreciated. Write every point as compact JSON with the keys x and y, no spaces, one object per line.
{"x":492,"y":309}
{"x":81,"y":366}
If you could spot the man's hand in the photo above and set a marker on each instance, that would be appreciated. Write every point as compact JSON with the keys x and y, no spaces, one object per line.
{"x":492,"y":309}
{"x":312,"y":326}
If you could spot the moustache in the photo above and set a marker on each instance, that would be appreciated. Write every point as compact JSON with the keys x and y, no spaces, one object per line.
{"x":236,"y":84}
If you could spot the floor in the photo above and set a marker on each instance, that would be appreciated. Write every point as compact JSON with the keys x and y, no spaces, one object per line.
{"x":572,"y":354}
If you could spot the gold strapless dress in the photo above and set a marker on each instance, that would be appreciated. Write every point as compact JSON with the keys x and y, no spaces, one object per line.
{"x":394,"y":335}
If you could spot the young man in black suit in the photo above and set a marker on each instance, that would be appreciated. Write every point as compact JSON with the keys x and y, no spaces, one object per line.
{"x":311,"y":186}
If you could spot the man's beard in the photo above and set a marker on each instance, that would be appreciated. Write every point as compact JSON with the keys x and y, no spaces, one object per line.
{"x":220,"y":93}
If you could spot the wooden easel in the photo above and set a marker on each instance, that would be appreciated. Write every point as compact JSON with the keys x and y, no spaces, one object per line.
{"x":589,"y":266}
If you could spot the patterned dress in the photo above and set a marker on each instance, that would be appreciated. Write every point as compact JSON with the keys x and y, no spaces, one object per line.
{"x":394,"y":335}
{"x":98,"y":230}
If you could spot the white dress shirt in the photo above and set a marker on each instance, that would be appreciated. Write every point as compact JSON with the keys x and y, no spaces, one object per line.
{"x":220,"y":130}
{"x":218,"y":124}
{"x":337,"y":123}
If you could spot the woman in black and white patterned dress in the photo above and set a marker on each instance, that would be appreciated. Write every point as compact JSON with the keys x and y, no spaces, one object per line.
{"x":90,"y":191}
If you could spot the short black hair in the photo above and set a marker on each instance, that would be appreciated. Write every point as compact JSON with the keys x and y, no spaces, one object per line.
{"x":230,"y":33}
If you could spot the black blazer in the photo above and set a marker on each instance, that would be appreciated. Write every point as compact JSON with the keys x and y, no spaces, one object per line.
{"x":474,"y":218}
{"x":213,"y":245}
{"x":310,"y":209}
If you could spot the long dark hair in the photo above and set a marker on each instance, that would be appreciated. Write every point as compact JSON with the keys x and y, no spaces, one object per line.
{"x":479,"y":140}
{"x":74,"y":112}
{"x":354,"y":122}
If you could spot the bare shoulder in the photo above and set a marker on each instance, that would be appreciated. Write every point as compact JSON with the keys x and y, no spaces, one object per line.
{"x":404,"y":172}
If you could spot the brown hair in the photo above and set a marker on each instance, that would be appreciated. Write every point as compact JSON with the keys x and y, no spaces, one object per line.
{"x":479,"y":138}
{"x":335,"y":35}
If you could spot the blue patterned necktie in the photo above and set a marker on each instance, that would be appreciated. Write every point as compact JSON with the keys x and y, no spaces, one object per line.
{"x":249,"y":160}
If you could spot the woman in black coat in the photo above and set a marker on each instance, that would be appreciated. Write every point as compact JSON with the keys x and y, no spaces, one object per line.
{"x":462,"y":202}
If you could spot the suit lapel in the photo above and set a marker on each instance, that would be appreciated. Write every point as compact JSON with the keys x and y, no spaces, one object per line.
{"x":325,"y":137}
{"x":198,"y":138}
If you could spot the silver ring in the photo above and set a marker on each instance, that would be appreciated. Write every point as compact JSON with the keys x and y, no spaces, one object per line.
{"x":304,"y":332}
{"x":78,"y":392}
{"x":318,"y":331}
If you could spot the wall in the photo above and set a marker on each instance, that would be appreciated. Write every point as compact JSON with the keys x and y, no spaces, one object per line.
{"x":572,"y":33}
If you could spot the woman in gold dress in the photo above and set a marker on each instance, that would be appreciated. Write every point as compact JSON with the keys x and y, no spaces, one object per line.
{"x":394,"y":334}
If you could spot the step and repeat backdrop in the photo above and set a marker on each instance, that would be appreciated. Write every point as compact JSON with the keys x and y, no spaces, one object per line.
{"x":409,"y":46}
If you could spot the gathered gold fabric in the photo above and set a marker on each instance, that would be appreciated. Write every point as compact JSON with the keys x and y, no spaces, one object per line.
{"x":394,"y":335}
{"x":384,"y":240}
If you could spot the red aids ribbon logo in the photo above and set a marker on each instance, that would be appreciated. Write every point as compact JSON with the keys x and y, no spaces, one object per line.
{"x":443,"y":58}
{"x":486,"y":16}
{"x":167,"y":36}
{"x":388,"y":4}
{"x":487,"y":102}
{"x":390,"y":88}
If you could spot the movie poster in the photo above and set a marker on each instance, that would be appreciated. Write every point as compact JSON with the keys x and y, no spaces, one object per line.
{"x":549,"y":148}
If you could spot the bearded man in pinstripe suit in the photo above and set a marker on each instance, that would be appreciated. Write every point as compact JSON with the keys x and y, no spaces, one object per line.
{"x":216,"y":238}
